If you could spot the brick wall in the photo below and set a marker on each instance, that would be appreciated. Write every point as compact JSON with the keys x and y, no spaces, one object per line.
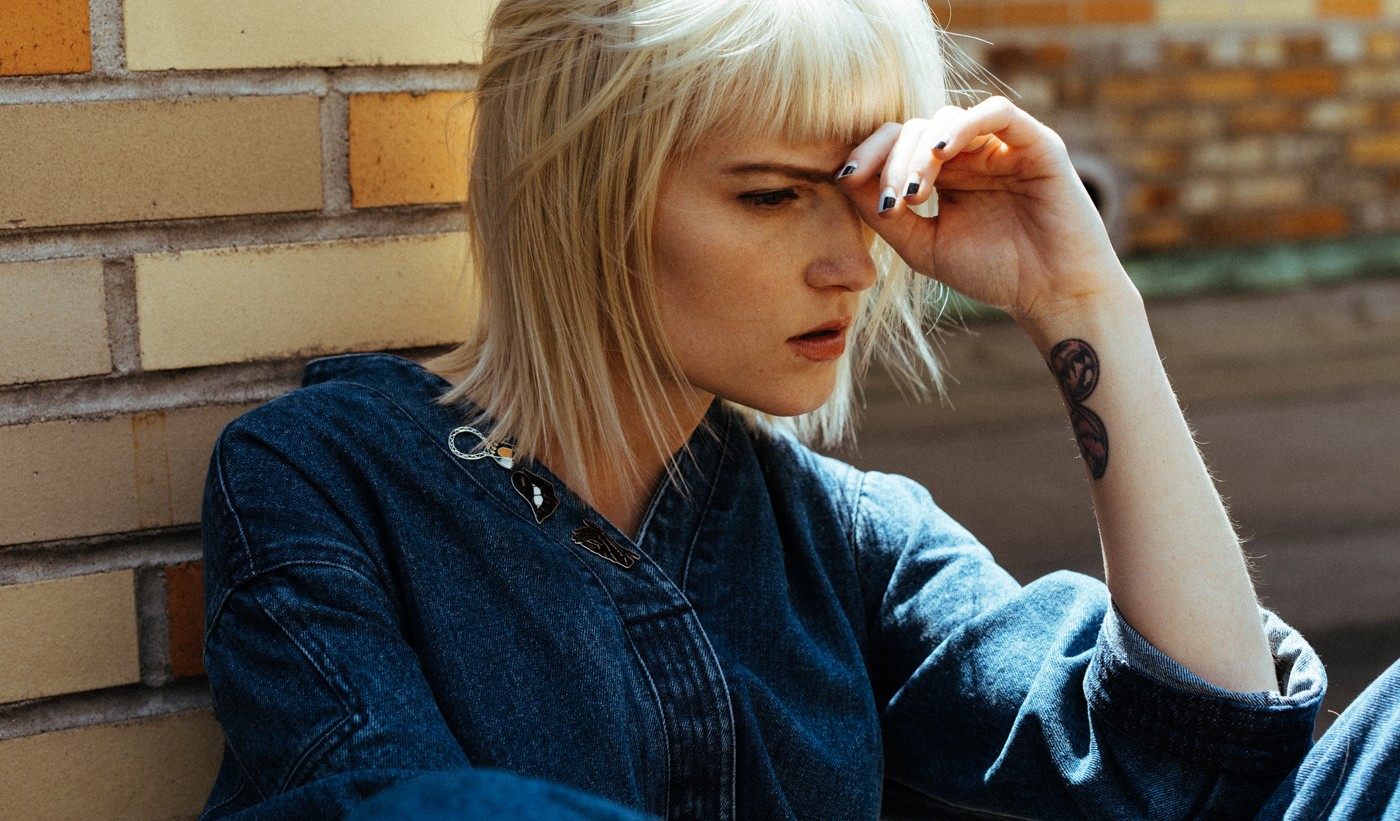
{"x":1217,"y":122}
{"x":196,"y":196}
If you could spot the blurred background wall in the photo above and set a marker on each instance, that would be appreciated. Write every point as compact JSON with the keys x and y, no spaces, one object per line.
{"x":197,"y":196}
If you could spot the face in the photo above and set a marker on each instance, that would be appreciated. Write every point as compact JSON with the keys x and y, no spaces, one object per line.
{"x":761,"y":262}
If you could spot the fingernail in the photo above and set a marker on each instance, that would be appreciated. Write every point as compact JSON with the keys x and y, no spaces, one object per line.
{"x":847,"y":171}
{"x":886,"y":200}
{"x":940,"y":145}
{"x":913,"y":187}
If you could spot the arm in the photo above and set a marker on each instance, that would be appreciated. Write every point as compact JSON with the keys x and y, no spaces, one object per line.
{"x":1016,"y":230}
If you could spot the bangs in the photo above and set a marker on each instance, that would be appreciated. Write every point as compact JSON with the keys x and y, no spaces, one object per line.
{"x":797,"y":70}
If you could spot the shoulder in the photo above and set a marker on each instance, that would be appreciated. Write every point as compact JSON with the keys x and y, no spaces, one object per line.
{"x":875,"y":503}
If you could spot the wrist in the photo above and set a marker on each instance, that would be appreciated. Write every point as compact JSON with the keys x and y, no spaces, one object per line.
{"x":1108,"y":313}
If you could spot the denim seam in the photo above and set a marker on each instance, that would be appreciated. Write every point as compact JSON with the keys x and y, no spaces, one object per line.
{"x":336,"y":691}
{"x":709,"y":502}
{"x":661,"y":716}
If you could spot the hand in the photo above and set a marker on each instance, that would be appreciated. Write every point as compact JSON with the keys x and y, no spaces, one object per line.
{"x":1015,"y":227}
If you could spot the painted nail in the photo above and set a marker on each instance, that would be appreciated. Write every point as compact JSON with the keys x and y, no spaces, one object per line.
{"x":847,"y":171}
{"x":940,"y":145}
{"x":913,"y":188}
{"x":886,"y":200}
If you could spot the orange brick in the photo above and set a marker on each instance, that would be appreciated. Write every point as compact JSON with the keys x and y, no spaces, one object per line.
{"x":1119,"y":11}
{"x":1149,"y":199}
{"x":1376,"y":149}
{"x":45,"y":37}
{"x":1222,"y":85}
{"x":407,"y":149}
{"x":964,"y":16}
{"x":1054,"y":56}
{"x":1305,"y":82}
{"x":1349,"y":8}
{"x":1036,"y":14}
{"x":1383,"y":46}
{"x":184,"y":597}
{"x":1314,"y":223}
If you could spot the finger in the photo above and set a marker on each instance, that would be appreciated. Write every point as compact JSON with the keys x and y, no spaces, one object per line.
{"x":995,"y":116}
{"x":864,"y":162}
{"x":912,"y":166}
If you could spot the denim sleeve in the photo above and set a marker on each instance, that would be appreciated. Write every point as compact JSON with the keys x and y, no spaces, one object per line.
{"x":322,"y":700}
{"x":1000,"y":700}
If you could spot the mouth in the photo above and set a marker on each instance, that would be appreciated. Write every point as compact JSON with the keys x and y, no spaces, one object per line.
{"x":822,"y":343}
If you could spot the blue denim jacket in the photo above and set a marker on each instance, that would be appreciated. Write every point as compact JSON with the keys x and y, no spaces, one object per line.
{"x":788,"y":637}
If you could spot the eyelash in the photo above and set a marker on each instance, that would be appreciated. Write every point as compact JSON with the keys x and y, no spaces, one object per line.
{"x":769,"y":199}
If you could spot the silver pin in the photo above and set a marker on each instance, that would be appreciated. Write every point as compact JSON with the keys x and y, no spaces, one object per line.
{"x":503,"y":453}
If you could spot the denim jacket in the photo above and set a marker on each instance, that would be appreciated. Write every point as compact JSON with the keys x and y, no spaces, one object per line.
{"x":787,"y":637}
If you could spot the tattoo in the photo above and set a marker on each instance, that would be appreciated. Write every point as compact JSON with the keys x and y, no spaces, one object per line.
{"x":1076,"y":368}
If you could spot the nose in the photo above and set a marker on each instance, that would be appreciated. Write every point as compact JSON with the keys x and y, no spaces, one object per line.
{"x":842,"y":242}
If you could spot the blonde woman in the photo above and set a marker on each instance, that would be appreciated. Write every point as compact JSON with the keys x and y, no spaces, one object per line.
{"x":585,"y":565}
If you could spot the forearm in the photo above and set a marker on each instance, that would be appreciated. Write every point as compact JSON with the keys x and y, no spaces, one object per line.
{"x":1171,"y":557}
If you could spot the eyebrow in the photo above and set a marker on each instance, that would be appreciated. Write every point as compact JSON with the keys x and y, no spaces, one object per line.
{"x":798,"y":172}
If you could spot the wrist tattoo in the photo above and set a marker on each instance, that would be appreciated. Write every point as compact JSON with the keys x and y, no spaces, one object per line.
{"x":1076,"y":368}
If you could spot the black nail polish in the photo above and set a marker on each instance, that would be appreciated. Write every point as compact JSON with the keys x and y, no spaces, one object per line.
{"x":912,"y":189}
{"x":847,"y":171}
{"x":942,"y":144}
{"x":886,"y":204}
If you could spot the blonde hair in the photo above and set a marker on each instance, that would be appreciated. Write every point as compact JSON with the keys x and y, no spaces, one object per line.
{"x":580,"y":107}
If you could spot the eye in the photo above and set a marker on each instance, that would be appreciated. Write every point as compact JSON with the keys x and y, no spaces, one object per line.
{"x":769,"y":199}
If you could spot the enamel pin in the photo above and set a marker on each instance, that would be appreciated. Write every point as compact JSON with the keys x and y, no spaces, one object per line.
{"x":592,"y":538}
{"x":538,"y":492}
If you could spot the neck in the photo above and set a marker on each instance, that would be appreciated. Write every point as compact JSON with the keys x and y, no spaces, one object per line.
{"x":620,"y":488}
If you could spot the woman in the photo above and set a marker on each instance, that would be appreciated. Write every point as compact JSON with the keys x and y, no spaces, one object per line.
{"x":583,"y":567}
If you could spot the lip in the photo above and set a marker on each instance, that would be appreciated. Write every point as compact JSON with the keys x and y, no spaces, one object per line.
{"x":823,"y":343}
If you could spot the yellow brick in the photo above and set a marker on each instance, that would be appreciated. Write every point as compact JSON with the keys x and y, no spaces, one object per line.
{"x":45,"y":37}
{"x":407,"y":149}
{"x":235,"y":305}
{"x":130,"y":473}
{"x":52,"y":321}
{"x":216,"y":34}
{"x":1193,"y":11}
{"x":68,"y":635}
{"x":144,"y":160}
{"x":1277,"y":10}
{"x":152,"y":768}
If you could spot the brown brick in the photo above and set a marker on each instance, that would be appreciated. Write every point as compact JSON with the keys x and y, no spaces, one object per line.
{"x":1119,"y":11}
{"x":1376,"y":149}
{"x":1150,"y":199}
{"x":1381,"y":81}
{"x":184,"y":596}
{"x":53,"y":321}
{"x":1214,"y":86}
{"x":1314,"y":223}
{"x":407,"y":149}
{"x":68,"y":635}
{"x":151,"y":768}
{"x":131,"y":473}
{"x":1276,"y":191}
{"x":1308,"y":48}
{"x":1157,"y":234}
{"x":963,"y":16}
{"x":1047,"y":13}
{"x":1349,"y":8}
{"x":1246,"y":229}
{"x":45,"y":37}
{"x":1305,"y":82}
{"x":1151,"y":161}
{"x":69,"y":164}
{"x":1054,"y":56}
{"x":1136,"y":89}
{"x":1269,"y":118}
{"x":1186,"y":54}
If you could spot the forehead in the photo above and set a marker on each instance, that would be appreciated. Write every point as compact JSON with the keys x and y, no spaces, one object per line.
{"x":737,"y":154}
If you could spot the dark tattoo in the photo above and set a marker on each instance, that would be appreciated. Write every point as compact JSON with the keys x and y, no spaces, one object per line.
{"x":1076,"y":368}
